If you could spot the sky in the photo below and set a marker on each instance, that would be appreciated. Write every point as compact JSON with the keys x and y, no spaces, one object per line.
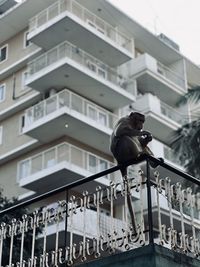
{"x":177,"y":19}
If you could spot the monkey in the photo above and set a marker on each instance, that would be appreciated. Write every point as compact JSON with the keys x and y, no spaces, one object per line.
{"x":129,"y":141}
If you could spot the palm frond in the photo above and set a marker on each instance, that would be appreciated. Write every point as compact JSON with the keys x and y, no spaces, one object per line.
{"x":192,"y":96}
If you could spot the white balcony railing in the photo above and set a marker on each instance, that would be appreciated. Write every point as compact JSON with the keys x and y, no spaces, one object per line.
{"x":67,"y":50}
{"x":74,"y":102}
{"x":149,"y":102}
{"x":146,"y":62}
{"x":172,"y":113}
{"x":86,"y":16}
{"x":63,"y":152}
{"x":171,"y":75}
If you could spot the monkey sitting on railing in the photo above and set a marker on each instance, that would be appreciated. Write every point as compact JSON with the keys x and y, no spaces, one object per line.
{"x":129,"y":142}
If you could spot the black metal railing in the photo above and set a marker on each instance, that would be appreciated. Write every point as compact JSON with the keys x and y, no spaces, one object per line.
{"x":88,"y":219}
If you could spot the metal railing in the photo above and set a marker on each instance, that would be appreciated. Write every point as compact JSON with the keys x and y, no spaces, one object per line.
{"x":165,"y":210}
{"x":63,"y":152}
{"x":86,"y":16}
{"x":67,"y":50}
{"x":74,"y":102}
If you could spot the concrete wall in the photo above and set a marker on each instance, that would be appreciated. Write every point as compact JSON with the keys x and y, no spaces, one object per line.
{"x":16,"y":50}
{"x":12,"y":138}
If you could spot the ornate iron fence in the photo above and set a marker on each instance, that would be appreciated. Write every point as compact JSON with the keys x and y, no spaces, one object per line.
{"x":93,"y":220}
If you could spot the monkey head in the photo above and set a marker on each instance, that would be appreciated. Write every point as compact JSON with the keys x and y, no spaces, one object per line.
{"x":137,"y":120}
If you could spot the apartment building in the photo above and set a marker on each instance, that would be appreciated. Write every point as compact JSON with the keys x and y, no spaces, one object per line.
{"x":69,"y":69}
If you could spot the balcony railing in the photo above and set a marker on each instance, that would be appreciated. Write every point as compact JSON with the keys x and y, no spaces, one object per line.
{"x":171,"y":74}
{"x":67,"y":50}
{"x":63,"y":152}
{"x":172,"y":114}
{"x":85,"y":15}
{"x":74,"y":102}
{"x":164,"y":210}
{"x":167,"y":74}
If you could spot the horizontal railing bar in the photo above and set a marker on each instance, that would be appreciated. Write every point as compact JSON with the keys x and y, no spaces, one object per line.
{"x":175,"y":170}
{"x":98,"y":175}
{"x":61,"y":189}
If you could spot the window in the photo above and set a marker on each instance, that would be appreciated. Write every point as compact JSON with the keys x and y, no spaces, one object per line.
{"x":3,"y":53}
{"x":26,"y":41}
{"x":97,"y":115}
{"x":92,"y":164}
{"x":1,"y":135}
{"x":2,"y":92}
{"x":21,"y":123}
{"x":24,"y":169}
{"x":24,"y":78}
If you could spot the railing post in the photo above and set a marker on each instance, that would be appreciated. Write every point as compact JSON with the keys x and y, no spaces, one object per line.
{"x":149,"y":203}
{"x":66,"y":216}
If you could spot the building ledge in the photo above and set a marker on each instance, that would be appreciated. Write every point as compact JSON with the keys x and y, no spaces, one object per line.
{"x":148,"y":256}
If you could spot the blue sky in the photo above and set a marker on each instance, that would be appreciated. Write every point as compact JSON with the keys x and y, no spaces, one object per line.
{"x":178,"y":19}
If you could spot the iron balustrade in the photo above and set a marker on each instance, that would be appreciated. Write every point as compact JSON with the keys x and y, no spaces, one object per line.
{"x":87,"y":225}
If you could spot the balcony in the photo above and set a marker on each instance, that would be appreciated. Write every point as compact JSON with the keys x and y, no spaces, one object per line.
{"x":67,"y":65}
{"x":160,"y":80}
{"x":71,"y":21}
{"x":161,"y":119}
{"x":58,"y":166}
{"x":74,"y":116}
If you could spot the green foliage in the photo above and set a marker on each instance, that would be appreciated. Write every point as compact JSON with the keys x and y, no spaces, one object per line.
{"x":186,"y":140}
{"x":192,"y":96}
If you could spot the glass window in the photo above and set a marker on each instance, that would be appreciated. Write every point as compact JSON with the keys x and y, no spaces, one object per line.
{"x":24,"y":78}
{"x":103,"y":165}
{"x":63,"y":152}
{"x":51,"y":104}
{"x":36,"y":164}
{"x":92,"y":113}
{"x":77,"y":157}
{"x":102,"y":118}
{"x":3,"y":53}
{"x":39,"y":111}
{"x":77,"y":103}
{"x":49,"y":158}
{"x":1,"y":135}
{"x":21,"y":123}
{"x":26,"y":41}
{"x":24,"y":169}
{"x":2,"y":92}
{"x":92,"y":164}
{"x":102,"y":73}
